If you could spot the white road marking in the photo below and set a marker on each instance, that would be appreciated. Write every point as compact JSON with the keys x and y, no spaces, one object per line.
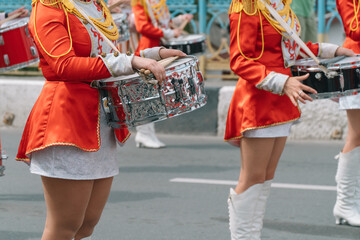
{"x":274,"y":185}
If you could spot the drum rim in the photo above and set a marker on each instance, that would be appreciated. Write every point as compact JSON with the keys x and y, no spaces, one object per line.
{"x":136,"y":75}
{"x":302,"y":66}
{"x":174,"y":41}
{"x":18,"y":23}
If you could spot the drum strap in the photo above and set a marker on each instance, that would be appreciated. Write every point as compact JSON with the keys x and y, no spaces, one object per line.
{"x":294,"y":36}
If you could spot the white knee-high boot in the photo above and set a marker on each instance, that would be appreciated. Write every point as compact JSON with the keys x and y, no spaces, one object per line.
{"x":346,"y":209}
{"x":260,"y":209}
{"x":244,"y":220}
{"x":146,"y":137}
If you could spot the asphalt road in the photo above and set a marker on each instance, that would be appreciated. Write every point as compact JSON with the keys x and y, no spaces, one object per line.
{"x":180,"y":193}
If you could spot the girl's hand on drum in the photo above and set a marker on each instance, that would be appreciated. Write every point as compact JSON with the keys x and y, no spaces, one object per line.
{"x":149,"y":64}
{"x":294,"y":89}
{"x":340,"y":51}
{"x":165,"y":53}
{"x":177,"y":32}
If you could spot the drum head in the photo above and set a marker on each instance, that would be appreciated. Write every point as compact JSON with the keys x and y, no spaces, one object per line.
{"x":186,"y":39}
{"x":346,"y":63}
{"x":178,"y":63}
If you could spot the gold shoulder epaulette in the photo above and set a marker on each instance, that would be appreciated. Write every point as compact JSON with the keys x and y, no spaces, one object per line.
{"x":249,"y":6}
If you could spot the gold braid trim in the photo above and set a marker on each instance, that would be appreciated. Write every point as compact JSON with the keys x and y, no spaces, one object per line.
{"x":237,"y":6}
{"x":111,"y":33}
{"x":248,"y":6}
{"x":107,"y":27}
{"x":158,"y":9}
{"x":287,"y":12}
{"x":355,"y":18}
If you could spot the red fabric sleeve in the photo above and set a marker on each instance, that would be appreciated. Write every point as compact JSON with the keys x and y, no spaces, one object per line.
{"x":53,"y":33}
{"x":143,"y":23}
{"x":314,"y":48}
{"x":250,"y":70}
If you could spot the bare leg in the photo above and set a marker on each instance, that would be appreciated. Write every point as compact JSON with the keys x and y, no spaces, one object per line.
{"x":353,"y":136}
{"x":98,"y":199}
{"x":66,"y":202}
{"x":247,"y":204}
{"x":259,"y":159}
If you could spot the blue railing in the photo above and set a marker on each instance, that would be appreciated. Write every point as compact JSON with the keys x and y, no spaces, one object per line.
{"x":11,"y":5}
{"x":325,"y":7}
{"x":208,"y":12}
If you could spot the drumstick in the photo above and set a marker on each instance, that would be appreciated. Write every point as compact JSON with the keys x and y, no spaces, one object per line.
{"x":296,"y":38}
{"x":166,"y":61}
{"x":163,"y":62}
{"x":11,"y":17}
{"x":183,"y":25}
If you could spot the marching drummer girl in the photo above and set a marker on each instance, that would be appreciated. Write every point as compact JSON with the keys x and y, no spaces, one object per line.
{"x":264,"y":104}
{"x":153,"y":22}
{"x":66,"y":139}
{"x":347,"y":206}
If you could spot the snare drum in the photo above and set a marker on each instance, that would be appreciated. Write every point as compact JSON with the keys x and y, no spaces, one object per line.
{"x":189,"y":44}
{"x":17,"y":48}
{"x":347,"y":81}
{"x":122,"y":25}
{"x":129,"y":101}
{"x":2,"y":157}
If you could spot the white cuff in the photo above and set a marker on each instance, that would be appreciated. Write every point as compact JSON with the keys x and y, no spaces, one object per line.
{"x":327,"y":50}
{"x":120,"y":65}
{"x":153,"y":53}
{"x":274,"y":83}
{"x":168,"y":33}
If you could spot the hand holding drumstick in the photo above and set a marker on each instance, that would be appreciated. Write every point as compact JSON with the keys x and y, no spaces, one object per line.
{"x":18,"y":13}
{"x":157,"y":67}
{"x":185,"y":19}
{"x":294,"y":89}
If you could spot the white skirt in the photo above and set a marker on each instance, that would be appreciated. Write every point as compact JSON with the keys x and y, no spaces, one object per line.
{"x":282,"y":130}
{"x":349,"y":102}
{"x":68,"y":162}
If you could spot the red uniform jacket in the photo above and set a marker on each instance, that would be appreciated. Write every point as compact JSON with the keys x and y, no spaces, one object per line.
{"x":250,"y":107}
{"x":150,"y":35}
{"x":67,"y":110}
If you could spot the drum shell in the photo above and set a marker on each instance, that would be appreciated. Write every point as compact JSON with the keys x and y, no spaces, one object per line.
{"x":323,"y":84}
{"x":193,"y":46}
{"x":132,"y":102}
{"x":17,"y":48}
